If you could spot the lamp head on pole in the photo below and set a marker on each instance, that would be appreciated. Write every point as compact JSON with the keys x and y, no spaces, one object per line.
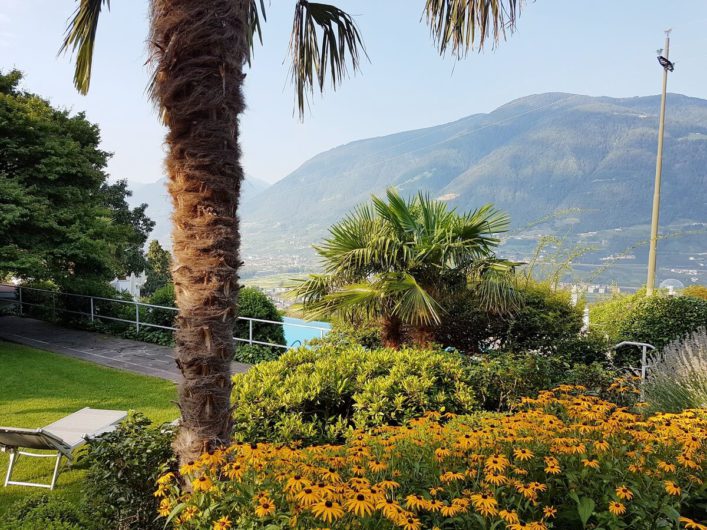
{"x":665,"y":63}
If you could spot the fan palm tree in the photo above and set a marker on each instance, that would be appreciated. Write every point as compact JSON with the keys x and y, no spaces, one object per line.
{"x":395,"y":260}
{"x":199,"y":51}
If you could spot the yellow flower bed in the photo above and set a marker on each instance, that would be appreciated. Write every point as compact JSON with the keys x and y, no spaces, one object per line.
{"x":567,"y":460}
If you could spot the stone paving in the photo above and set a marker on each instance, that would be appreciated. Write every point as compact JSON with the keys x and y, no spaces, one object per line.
{"x":130,"y":355}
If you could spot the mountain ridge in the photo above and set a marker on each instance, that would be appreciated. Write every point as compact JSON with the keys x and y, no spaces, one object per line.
{"x":531,"y":157}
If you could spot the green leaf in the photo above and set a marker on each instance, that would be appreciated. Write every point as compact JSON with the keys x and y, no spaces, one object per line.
{"x":585,"y":508}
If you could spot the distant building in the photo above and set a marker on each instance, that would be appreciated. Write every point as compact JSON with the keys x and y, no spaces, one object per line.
{"x":132,"y":284}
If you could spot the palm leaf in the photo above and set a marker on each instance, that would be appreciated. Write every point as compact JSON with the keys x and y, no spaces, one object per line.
{"x":254,"y":27}
{"x":494,"y":282}
{"x":314,"y":62}
{"x":463,"y":24}
{"x":80,"y":37}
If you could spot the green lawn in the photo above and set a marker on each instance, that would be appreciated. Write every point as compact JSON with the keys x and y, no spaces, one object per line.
{"x":38,"y":387}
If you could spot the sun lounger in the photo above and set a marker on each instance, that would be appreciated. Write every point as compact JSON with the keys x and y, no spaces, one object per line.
{"x":62,"y":436}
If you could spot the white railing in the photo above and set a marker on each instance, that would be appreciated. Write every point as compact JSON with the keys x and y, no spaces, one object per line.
{"x":95,"y":313}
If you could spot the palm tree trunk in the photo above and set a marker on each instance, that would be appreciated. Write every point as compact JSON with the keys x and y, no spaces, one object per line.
{"x":199,"y":49}
{"x":422,"y":335}
{"x":391,"y":331}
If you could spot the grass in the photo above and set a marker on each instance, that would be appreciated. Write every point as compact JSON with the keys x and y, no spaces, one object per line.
{"x":39,"y":387}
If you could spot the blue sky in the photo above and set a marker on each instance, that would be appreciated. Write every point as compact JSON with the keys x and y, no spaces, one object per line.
{"x":603,"y":47}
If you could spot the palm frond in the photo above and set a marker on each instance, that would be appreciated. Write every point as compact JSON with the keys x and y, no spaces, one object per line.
{"x":254,"y":26}
{"x":463,"y":24}
{"x":413,"y":303}
{"x":314,"y":62}
{"x":80,"y":37}
{"x":494,"y":282}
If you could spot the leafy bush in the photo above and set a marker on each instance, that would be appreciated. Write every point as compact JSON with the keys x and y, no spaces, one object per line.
{"x":254,"y":303}
{"x":568,"y":461}
{"x":366,"y":332}
{"x":657,"y":320}
{"x":163,"y":296}
{"x":589,"y":348}
{"x":43,"y":512}
{"x":696,"y":291}
{"x":678,"y":377}
{"x":256,"y":353}
{"x":542,"y":321}
{"x":122,"y":468}
{"x":660,"y":320}
{"x":317,"y":394}
{"x":500,"y":380}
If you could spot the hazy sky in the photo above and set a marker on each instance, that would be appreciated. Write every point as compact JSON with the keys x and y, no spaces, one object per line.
{"x":603,"y":47}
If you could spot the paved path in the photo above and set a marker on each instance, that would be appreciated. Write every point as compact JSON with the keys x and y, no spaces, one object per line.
{"x":108,"y":350}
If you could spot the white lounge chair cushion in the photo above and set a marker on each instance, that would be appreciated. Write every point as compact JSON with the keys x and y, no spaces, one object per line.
{"x":65,"y":434}
{"x":87,"y":422}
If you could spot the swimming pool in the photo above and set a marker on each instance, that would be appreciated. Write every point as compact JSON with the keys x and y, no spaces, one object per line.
{"x":296,"y":335}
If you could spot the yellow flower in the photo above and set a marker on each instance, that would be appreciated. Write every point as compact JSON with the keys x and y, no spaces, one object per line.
{"x":411,"y":523}
{"x":377,"y":466}
{"x":668,"y":468}
{"x":265,"y":508}
{"x":617,"y":508}
{"x":623,"y":493}
{"x":415,"y":502}
{"x":203,"y":483}
{"x":523,"y":454}
{"x":234,"y":471}
{"x":327,"y":510}
{"x":496,"y":463}
{"x":450,"y":476}
{"x":188,"y":468}
{"x":484,"y":503}
{"x":359,"y":504}
{"x":296,"y":483}
{"x":307,"y":496}
{"x":224,"y":523}
{"x":593,"y":464}
{"x":166,"y":478}
{"x":510,"y":517}
{"x":165,"y":507}
{"x":672,"y":488}
{"x":601,"y":446}
{"x":188,"y":513}
{"x":549,"y":511}
{"x":495,"y":478}
{"x":692,"y":525}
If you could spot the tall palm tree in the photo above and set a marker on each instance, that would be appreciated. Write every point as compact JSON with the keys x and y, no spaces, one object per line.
{"x":395,"y":260}
{"x":199,"y":50}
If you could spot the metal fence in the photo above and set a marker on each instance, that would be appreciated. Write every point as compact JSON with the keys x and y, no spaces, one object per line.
{"x":97,"y":308}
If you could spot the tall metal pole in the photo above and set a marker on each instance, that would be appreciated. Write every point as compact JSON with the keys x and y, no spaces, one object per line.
{"x":650,"y":283}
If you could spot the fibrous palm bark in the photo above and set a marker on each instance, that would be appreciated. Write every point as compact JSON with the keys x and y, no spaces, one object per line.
{"x":199,"y":50}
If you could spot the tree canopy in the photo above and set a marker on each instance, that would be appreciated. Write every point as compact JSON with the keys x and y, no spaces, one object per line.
{"x":60,"y":218}
{"x":396,"y":259}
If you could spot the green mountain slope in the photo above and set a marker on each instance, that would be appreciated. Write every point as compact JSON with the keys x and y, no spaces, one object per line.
{"x":531,"y":157}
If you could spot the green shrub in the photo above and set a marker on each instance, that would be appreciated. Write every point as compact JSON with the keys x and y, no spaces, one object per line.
{"x":352,"y":332}
{"x":696,"y":291}
{"x":43,"y":512}
{"x":254,"y":303}
{"x":677,"y":379}
{"x":500,"y":380}
{"x":122,"y":468}
{"x":163,"y":296}
{"x":543,"y":320}
{"x":317,"y":394}
{"x":589,"y":348}
{"x":256,"y":353}
{"x":657,"y":320}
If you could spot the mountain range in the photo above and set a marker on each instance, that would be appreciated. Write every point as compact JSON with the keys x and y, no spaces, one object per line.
{"x":583,"y":164}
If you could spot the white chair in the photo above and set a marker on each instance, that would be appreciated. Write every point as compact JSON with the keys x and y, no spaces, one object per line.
{"x":62,"y":436}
